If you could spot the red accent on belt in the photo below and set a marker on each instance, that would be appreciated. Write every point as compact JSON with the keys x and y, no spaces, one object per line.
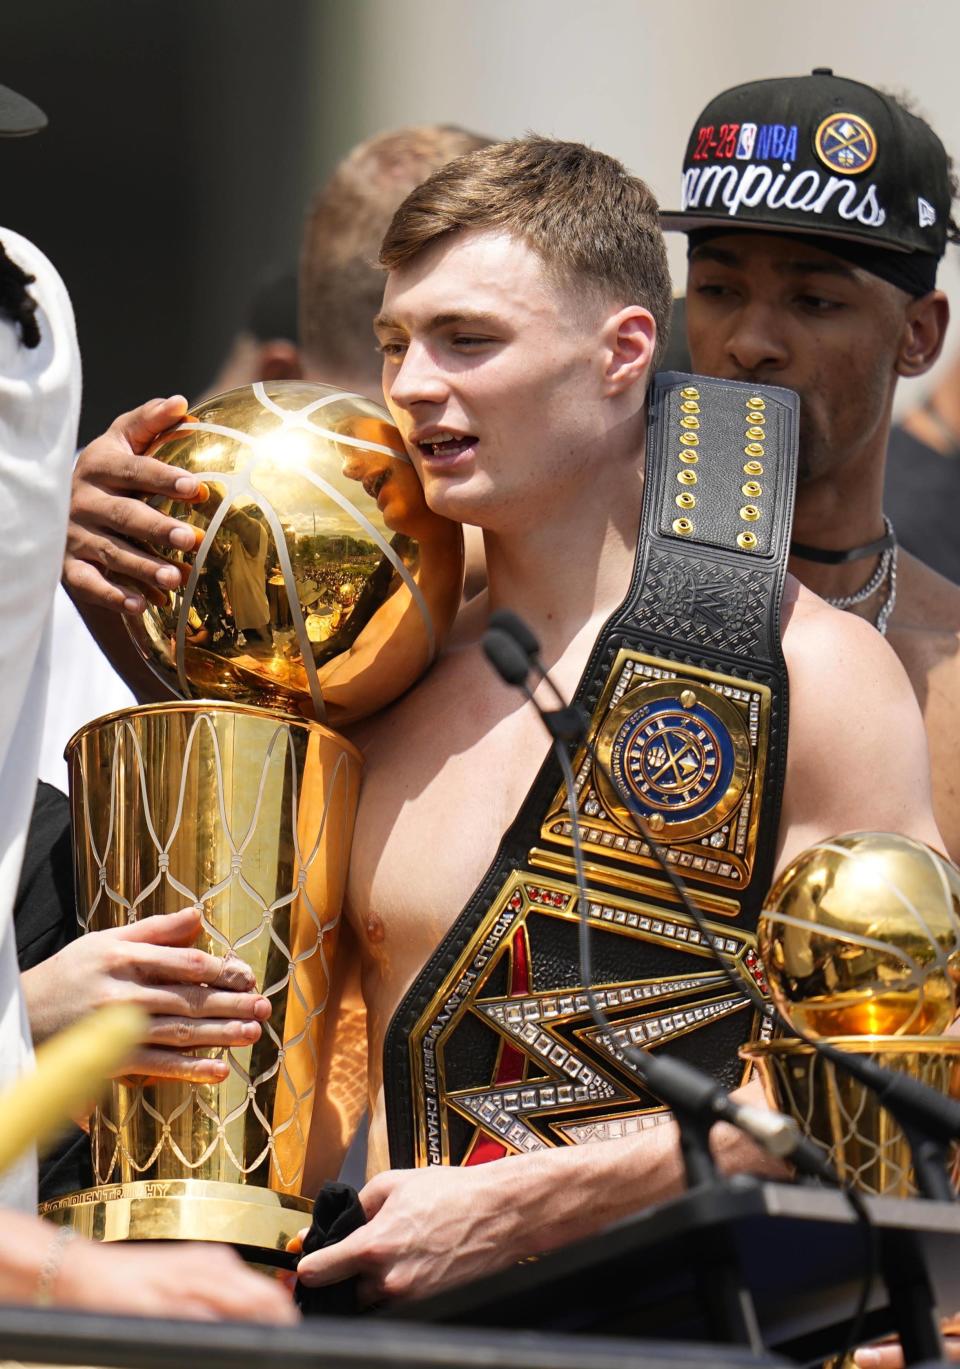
{"x":510,"y":1068}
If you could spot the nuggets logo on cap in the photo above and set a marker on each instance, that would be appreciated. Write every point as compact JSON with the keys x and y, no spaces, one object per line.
{"x":846,"y":143}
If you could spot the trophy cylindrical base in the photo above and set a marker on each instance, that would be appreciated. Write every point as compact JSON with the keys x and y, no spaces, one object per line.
{"x":257,"y":1220}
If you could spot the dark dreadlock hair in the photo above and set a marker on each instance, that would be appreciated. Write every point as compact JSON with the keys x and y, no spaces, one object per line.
{"x":15,"y":301}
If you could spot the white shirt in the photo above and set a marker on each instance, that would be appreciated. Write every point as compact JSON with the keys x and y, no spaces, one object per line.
{"x":83,"y":685}
{"x":39,"y":409}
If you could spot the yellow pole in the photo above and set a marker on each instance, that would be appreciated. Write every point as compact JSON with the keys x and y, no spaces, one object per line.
{"x":71,"y":1070}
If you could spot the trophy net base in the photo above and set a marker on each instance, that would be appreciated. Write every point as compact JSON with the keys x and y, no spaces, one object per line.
{"x":256,"y":1220}
{"x":860,"y":1137}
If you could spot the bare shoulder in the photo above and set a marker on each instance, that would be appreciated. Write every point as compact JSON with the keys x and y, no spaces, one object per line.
{"x":857,"y":751}
{"x":824,"y":647}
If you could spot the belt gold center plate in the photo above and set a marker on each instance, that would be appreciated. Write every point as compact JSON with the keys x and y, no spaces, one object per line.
{"x":689,"y":747}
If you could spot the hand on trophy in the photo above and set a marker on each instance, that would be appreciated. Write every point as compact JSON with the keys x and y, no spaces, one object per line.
{"x":195,"y":1000}
{"x":109,"y":519}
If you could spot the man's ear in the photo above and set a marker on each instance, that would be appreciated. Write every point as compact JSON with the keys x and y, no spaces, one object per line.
{"x":924,"y":330}
{"x":630,"y":339}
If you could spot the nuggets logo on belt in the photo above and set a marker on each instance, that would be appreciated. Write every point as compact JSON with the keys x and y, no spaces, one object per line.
{"x":682,"y":757}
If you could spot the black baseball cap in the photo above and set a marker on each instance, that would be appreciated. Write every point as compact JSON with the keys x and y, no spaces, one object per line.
{"x":18,"y":115}
{"x":820,"y":155}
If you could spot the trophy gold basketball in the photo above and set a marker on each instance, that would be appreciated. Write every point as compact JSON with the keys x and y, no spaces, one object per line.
{"x":321,"y":588}
{"x":861,"y":942}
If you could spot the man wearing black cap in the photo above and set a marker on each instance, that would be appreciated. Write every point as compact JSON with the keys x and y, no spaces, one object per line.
{"x":817,"y":211}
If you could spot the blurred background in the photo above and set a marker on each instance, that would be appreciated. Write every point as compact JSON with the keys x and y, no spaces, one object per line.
{"x":186,"y":136}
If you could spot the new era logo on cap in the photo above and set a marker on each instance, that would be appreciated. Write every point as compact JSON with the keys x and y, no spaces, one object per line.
{"x":816,"y":154}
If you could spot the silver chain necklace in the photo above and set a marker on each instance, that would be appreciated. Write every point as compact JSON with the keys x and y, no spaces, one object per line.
{"x":886,"y":571}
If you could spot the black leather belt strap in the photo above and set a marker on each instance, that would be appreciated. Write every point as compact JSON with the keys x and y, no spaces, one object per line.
{"x":492,"y":1051}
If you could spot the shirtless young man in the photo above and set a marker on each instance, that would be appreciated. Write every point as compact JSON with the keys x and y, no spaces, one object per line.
{"x":519,"y":335}
{"x":834,"y":296}
{"x":518,"y":340}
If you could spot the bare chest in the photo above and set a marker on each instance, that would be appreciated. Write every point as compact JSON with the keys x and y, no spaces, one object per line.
{"x":447,"y":770}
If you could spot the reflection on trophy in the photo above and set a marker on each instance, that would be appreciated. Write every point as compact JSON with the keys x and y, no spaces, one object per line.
{"x":861,"y":942}
{"x":321,"y":588}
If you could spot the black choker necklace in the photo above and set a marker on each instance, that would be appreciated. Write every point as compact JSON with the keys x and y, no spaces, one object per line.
{"x":840,"y":558}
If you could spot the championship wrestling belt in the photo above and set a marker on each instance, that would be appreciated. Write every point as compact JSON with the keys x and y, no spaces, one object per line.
{"x":493,"y":1051}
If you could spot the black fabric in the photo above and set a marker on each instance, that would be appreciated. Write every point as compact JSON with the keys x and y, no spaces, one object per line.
{"x":816,"y":154}
{"x":914,"y":272}
{"x":67,"y":1167}
{"x":44,"y":922}
{"x":922,"y":500}
{"x":43,"y":911}
{"x":336,"y":1213}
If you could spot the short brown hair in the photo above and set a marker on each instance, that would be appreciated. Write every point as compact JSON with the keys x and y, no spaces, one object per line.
{"x":591,"y":222}
{"x":340,"y":283}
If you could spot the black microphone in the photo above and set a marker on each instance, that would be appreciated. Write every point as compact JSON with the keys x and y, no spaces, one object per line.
{"x":686,"y":1089}
{"x":507,"y":657}
{"x":930,"y":1120}
{"x":696,"y":1099}
{"x":512,"y":664}
{"x":506,"y":621}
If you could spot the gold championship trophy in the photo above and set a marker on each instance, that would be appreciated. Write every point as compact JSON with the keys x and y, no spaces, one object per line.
{"x":861,"y":942}
{"x":321,"y":589}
